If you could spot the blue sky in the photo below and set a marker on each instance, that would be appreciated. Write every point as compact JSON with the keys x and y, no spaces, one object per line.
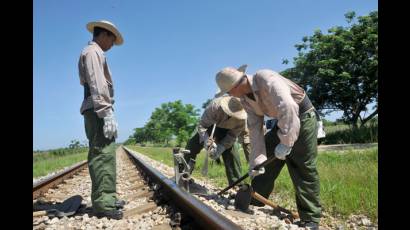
{"x":172,"y":50}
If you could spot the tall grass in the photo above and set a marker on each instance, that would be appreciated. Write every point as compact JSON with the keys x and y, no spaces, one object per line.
{"x":44,"y":163}
{"x":338,"y":133}
{"x":348,"y":180}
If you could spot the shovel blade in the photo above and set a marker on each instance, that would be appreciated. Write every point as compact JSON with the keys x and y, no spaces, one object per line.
{"x":243,"y":198}
{"x":204,"y":170}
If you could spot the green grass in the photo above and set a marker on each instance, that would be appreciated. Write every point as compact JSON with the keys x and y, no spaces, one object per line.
{"x":45,"y":163}
{"x":348,"y":180}
{"x":343,"y":133}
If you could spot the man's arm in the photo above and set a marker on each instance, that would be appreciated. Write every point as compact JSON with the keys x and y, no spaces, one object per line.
{"x":276,"y":93}
{"x":208,"y":118}
{"x":257,"y":139}
{"x":98,"y":86}
{"x":232,"y":134}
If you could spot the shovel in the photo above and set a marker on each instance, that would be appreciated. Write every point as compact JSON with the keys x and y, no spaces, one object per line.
{"x":245,"y":194}
{"x":68,"y":208}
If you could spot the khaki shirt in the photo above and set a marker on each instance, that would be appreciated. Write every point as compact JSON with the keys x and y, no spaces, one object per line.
{"x":275,"y":96}
{"x":215,"y":114}
{"x":94,"y":71}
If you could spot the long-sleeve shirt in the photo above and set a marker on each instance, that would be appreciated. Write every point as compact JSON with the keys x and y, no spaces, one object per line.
{"x":215,"y":114}
{"x":94,"y":71}
{"x":274,"y":96}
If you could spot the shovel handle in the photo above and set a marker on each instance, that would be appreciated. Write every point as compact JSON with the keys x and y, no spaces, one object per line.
{"x":273,"y":205}
{"x":213,"y":131}
{"x":39,"y":213}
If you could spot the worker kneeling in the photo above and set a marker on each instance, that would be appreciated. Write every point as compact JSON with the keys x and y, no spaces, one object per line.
{"x":223,"y":120}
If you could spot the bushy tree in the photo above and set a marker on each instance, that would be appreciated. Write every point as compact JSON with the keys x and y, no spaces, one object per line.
{"x":339,"y":70}
{"x":172,"y":119}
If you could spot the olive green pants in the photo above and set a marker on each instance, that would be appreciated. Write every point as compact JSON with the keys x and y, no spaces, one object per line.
{"x":101,"y":163}
{"x":301,"y":164}
{"x":230,"y":156}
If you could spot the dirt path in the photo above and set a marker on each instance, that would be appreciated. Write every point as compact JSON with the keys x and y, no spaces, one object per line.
{"x":322,"y":148}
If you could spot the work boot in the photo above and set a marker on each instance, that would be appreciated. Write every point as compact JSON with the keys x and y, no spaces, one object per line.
{"x":119,"y":204}
{"x":110,"y":214}
{"x":309,"y":225}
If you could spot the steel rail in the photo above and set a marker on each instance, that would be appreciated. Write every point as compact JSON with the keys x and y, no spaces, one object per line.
{"x":205,"y":216}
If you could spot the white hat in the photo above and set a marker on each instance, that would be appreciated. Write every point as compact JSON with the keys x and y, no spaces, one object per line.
{"x":227,"y":78}
{"x":233,"y":107}
{"x":108,"y":26}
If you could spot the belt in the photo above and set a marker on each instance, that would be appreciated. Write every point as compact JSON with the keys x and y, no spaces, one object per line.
{"x":87,"y":91}
{"x":305,"y":105}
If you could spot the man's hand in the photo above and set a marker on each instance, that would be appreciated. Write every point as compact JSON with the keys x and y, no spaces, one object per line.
{"x":254,"y":173}
{"x":215,"y":151}
{"x":281,"y":151}
{"x":209,"y":143}
{"x":204,"y":140}
{"x":110,"y":126}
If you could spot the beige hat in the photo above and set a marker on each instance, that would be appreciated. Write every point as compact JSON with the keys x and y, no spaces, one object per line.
{"x":227,"y":78}
{"x":108,"y":26}
{"x":233,"y":107}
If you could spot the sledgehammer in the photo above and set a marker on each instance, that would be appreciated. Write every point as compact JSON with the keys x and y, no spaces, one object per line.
{"x":245,"y":194}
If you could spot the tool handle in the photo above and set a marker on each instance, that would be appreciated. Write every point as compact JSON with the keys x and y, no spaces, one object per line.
{"x":213,"y":131}
{"x":234,"y":183}
{"x":273,"y":205}
{"x":39,"y":213}
{"x":263,"y":164}
{"x":269,"y":160}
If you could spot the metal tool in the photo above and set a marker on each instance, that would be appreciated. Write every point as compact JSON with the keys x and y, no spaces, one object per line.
{"x":182,"y":169}
{"x":244,"y":196}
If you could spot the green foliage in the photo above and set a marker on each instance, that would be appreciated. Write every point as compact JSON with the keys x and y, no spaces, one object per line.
{"x":58,"y":153}
{"x":171,"y":120}
{"x":182,"y":138}
{"x":75,"y":144}
{"x":339,"y":70}
{"x":45,"y":163}
{"x":339,"y":133}
{"x":139,"y":135}
{"x":129,"y":141}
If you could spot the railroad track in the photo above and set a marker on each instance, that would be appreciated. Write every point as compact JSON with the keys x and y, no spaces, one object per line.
{"x":42,"y":186}
{"x":154,"y":200}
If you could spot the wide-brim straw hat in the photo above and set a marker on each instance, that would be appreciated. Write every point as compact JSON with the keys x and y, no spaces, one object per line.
{"x":108,"y":26}
{"x":228,"y":77}
{"x":233,"y":107}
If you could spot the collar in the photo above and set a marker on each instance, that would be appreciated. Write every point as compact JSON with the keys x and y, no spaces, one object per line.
{"x":96,"y":45}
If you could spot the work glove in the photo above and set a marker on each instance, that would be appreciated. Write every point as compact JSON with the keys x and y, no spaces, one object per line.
{"x":216,"y":151}
{"x":253,"y":173}
{"x":110,"y":126}
{"x":281,"y":151}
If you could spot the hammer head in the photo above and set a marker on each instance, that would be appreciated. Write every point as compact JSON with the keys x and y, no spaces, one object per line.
{"x":243,"y":197}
